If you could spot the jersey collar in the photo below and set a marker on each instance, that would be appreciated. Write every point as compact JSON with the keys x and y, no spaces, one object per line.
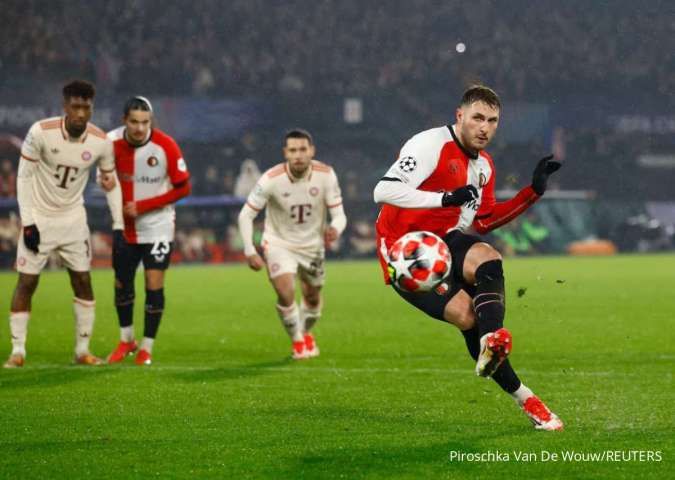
{"x":307,"y":176}
{"x":472,"y":156}
{"x":66,"y":135}
{"x":145,"y":142}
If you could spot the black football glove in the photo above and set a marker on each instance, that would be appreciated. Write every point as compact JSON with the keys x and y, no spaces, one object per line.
{"x":545,"y":167}
{"x":118,"y":240}
{"x":31,"y":238}
{"x":460,"y":196}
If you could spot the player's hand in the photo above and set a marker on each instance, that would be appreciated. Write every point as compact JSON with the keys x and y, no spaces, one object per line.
{"x":129,"y":210}
{"x":108,"y":182}
{"x":255,"y":262}
{"x":330,"y":235}
{"x":544,"y":168}
{"x":31,"y":238}
{"x":118,"y":240}
{"x":460,"y":196}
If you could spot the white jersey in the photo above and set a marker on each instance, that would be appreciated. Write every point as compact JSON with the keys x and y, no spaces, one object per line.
{"x":63,"y":165}
{"x":296,"y":209}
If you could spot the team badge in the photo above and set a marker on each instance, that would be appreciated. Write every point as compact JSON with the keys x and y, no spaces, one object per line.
{"x":152,"y":161}
{"x":442,"y":289}
{"x":275,"y":267}
{"x":181,"y":165}
{"x":482,"y":180}
{"x":407,"y":164}
{"x":86,"y":156}
{"x":314,"y":191}
{"x":21,"y":261}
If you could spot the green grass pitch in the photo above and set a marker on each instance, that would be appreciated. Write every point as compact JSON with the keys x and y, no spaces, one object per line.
{"x":392,"y":395}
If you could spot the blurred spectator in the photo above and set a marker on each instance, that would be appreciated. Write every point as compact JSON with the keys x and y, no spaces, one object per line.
{"x":7,"y":179}
{"x":247,"y":178}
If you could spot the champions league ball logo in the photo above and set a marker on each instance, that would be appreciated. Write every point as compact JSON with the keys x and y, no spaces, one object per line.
{"x":407,"y":164}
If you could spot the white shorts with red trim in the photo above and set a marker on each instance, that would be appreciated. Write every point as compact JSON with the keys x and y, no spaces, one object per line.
{"x":67,"y":236}
{"x":309,"y":264}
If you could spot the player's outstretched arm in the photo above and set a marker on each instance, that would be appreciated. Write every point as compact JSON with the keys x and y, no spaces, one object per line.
{"x":494,"y":214}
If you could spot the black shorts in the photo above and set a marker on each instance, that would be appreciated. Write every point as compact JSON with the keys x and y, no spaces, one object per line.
{"x":127,"y":256}
{"x":433,"y":303}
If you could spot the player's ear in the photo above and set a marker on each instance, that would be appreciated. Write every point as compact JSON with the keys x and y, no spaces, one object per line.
{"x":458,"y":114}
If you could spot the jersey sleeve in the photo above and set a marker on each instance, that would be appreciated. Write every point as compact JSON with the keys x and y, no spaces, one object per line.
{"x":493,"y":214}
{"x":415,"y":163}
{"x":258,"y":197}
{"x":106,"y":162}
{"x":333,"y":192}
{"x":176,"y":166}
{"x":33,"y":144}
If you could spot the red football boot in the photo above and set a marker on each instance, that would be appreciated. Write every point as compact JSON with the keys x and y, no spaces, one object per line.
{"x":122,"y":350}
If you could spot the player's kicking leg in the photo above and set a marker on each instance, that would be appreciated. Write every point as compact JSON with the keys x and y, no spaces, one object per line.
{"x":489,"y":344}
{"x":19,"y":316}
{"x":84,"y":308}
{"x":310,"y":312}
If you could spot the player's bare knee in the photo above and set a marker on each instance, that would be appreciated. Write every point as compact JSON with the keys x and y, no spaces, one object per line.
{"x":477,"y":255}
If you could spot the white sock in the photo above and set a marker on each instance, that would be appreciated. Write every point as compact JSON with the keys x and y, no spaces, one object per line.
{"x":522,"y":394}
{"x":18,"y":325}
{"x":309,"y":316}
{"x":290,"y":318}
{"x":127,"y":334}
{"x":85,"y":312}
{"x":147,"y":343}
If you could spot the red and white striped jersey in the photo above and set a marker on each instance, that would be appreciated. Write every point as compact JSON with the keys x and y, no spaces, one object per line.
{"x":146,"y":172}
{"x":435,"y":161}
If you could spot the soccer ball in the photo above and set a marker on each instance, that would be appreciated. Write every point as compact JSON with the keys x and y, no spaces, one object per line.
{"x":418,"y":261}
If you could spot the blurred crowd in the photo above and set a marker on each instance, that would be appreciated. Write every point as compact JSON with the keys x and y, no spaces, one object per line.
{"x":526,"y":49}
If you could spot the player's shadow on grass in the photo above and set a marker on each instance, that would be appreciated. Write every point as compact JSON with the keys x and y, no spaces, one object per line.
{"x":217,"y":374}
{"x":50,"y":377}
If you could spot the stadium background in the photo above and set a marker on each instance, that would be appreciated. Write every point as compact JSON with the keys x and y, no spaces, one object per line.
{"x":392,"y":394}
{"x":595,"y":87}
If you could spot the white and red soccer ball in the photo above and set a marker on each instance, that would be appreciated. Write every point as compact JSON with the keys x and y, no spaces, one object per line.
{"x":418,"y":261}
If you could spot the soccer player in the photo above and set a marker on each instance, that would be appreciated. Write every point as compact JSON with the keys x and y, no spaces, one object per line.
{"x":444,"y":182}
{"x":53,"y":170}
{"x":153,"y":176}
{"x":297,"y":193}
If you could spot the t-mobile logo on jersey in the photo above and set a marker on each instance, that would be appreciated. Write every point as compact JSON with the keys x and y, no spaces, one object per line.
{"x":301,"y":212}
{"x":65,"y":176}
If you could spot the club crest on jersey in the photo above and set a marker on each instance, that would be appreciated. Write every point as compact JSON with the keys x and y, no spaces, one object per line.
{"x":482,"y":180}
{"x":86,"y":156}
{"x":314,"y":191}
{"x":152,"y":161}
{"x":407,"y":164}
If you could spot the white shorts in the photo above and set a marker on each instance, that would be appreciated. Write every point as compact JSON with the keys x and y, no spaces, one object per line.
{"x":67,"y":236}
{"x":308,"y":264}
